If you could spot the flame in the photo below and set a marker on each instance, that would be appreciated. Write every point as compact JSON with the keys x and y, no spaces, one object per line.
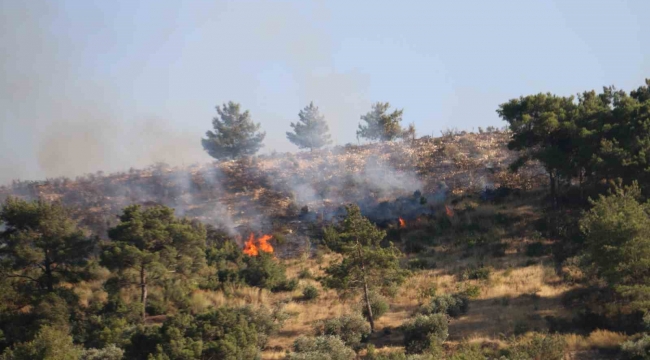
{"x":449,"y":211}
{"x":251,"y":249}
{"x":402,"y":223}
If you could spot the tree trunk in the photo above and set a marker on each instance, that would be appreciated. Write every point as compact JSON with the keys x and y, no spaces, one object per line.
{"x":552,"y":179}
{"x":371,"y":320}
{"x":49,"y":277}
{"x":143,"y":294}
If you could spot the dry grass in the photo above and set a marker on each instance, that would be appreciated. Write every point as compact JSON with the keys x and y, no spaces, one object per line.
{"x":597,"y":340}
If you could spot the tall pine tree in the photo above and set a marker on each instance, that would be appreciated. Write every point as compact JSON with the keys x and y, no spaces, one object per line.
{"x":311,"y":131}
{"x":40,"y":245}
{"x":235,"y":134}
{"x":152,"y":245}
{"x":366,"y":264}
{"x":381,"y":125}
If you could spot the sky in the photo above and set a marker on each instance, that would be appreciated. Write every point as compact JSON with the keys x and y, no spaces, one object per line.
{"x":89,"y":86}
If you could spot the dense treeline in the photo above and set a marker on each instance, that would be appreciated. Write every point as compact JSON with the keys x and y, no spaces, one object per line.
{"x":585,"y":141}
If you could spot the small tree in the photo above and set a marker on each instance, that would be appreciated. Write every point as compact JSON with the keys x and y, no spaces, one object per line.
{"x":311,"y":131}
{"x":365,"y":264}
{"x":617,"y":239}
{"x":235,"y":134}
{"x":380,"y":125}
{"x":152,"y":245}
{"x":40,"y":244}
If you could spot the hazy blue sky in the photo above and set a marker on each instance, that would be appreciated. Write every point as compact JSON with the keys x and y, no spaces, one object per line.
{"x":105,"y":85}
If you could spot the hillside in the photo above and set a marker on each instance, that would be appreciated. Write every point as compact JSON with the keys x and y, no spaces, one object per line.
{"x":272,"y":189}
{"x":465,"y":222}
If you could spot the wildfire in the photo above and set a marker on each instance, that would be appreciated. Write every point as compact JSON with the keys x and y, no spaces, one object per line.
{"x":402,"y":223}
{"x":253,"y":249}
{"x":449,"y":211}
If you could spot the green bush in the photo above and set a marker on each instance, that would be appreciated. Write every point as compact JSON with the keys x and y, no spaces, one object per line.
{"x":471,"y":291}
{"x":468,"y":352}
{"x":636,"y":349}
{"x":325,"y":347}
{"x":310,"y":292}
{"x":352,"y":329}
{"x":475,"y":273}
{"x":263,"y":271}
{"x":378,"y":305}
{"x":305,"y":274}
{"x":425,"y":333}
{"x":286,"y":285}
{"x":453,"y":305}
{"x":110,"y":352}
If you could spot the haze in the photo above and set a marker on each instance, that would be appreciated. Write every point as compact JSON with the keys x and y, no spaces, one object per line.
{"x":107,"y":85}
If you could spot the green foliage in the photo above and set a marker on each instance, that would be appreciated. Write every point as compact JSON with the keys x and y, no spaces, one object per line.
{"x":453,"y":305}
{"x":425,"y":333}
{"x":366,"y":264}
{"x":476,"y":273}
{"x":49,"y":344}
{"x":592,"y":139}
{"x":617,"y":242}
{"x":352,"y":329}
{"x":311,"y":131}
{"x":152,"y":246}
{"x":110,"y":352}
{"x":325,"y":347}
{"x":305,"y":274}
{"x":264,"y":271}
{"x":380,"y":125}
{"x":636,"y":349}
{"x":468,"y":352}
{"x":40,"y":245}
{"x":225,"y":333}
{"x":235,"y":134}
{"x":378,"y":304}
{"x":310,"y":292}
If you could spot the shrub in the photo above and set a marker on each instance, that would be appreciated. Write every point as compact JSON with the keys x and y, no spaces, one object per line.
{"x":471,"y":291}
{"x":264,"y":271}
{"x":305,"y":274}
{"x":425,"y":333}
{"x":468,"y":352}
{"x":110,"y":352}
{"x":352,"y":329}
{"x":378,"y":305}
{"x":636,"y":349}
{"x":475,"y":273}
{"x":453,"y":305}
{"x":310,"y":292}
{"x":320,"y":348}
{"x":539,"y":346}
{"x":536,"y":249}
{"x":419,"y":264}
{"x":286,"y":285}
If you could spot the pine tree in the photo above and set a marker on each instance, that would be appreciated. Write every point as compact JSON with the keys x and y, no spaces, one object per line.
{"x":152,"y":245}
{"x":235,"y":134}
{"x":311,"y":131}
{"x":40,"y":245}
{"x":380,"y":125}
{"x":366,"y":265}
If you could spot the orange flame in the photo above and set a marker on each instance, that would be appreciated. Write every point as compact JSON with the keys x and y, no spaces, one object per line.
{"x":449,"y":211}
{"x":402,"y":223}
{"x":251,"y":249}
